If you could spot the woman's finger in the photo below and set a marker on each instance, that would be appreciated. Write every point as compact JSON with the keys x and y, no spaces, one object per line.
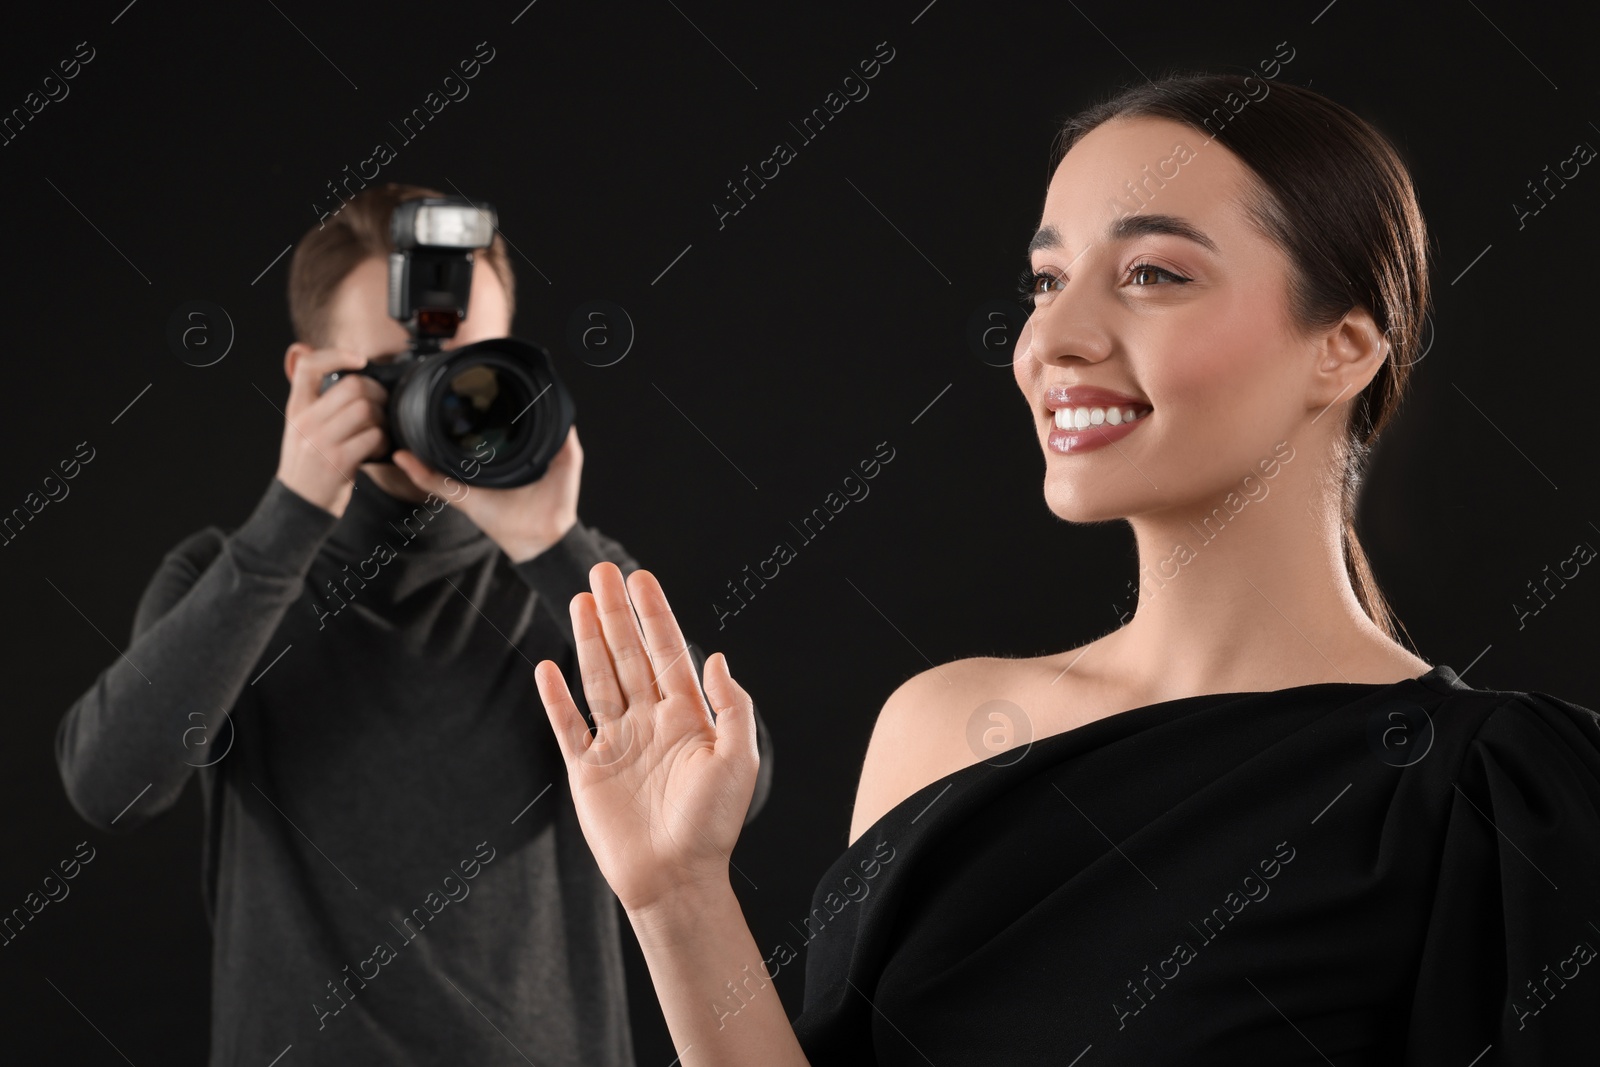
{"x":669,"y":652}
{"x":595,"y":668}
{"x":566,"y":719}
{"x":623,"y":638}
{"x":735,"y":711}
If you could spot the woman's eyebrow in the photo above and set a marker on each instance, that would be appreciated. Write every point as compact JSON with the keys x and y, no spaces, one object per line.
{"x":1136,"y":225}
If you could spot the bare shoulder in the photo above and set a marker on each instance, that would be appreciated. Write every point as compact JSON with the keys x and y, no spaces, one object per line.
{"x":921,"y":733}
{"x":953,"y":715}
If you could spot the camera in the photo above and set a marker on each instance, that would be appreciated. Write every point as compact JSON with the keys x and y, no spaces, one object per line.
{"x":501,"y":395}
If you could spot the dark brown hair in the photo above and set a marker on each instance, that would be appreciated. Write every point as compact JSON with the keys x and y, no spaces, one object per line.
{"x":1334,"y":194}
{"x":328,"y":252}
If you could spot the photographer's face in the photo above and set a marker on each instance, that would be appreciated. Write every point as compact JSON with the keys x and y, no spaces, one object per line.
{"x":359,"y":317}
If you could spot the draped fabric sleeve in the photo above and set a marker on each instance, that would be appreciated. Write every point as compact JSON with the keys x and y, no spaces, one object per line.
{"x":1510,"y":964}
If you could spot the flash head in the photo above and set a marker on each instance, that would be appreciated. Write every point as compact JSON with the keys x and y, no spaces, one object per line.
{"x":442,"y":222}
{"x":430,"y":270}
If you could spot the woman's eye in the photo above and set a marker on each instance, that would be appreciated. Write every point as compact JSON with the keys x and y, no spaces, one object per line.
{"x":1138,"y":270}
{"x":1033,"y":284}
{"x":1028,"y":285}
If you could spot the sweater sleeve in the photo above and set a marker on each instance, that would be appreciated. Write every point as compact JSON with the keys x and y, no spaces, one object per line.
{"x":561,"y":572}
{"x":1511,"y":958}
{"x":126,"y":746}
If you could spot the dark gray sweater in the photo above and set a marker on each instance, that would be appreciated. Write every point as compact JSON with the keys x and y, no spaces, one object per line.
{"x":392,"y":866}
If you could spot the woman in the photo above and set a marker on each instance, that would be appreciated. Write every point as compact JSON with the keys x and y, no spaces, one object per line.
{"x":1247,"y":826}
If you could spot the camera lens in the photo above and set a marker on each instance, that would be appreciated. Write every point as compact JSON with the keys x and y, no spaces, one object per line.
{"x":480,"y":405}
{"x":494,"y":411}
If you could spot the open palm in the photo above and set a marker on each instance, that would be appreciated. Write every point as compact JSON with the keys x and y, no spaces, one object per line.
{"x":660,"y":789}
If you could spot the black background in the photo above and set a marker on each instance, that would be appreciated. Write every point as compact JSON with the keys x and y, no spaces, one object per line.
{"x":772,"y":357}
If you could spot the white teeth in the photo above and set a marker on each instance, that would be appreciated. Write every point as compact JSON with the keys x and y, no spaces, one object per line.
{"x":1084,"y":417}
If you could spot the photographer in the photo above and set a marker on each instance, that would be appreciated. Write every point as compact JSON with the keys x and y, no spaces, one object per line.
{"x":392,"y":866}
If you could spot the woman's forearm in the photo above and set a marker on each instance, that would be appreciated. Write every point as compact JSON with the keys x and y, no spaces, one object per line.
{"x":721,"y":1008}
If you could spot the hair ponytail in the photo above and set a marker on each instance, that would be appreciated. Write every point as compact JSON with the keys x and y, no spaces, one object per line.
{"x":1365,"y":584}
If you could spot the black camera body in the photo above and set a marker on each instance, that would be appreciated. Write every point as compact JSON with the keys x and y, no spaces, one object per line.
{"x":447,"y":406}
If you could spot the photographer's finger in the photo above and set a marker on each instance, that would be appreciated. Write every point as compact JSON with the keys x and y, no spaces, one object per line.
{"x":305,"y":384}
{"x":336,"y":357}
{"x":351,"y":418}
{"x":357,"y":392}
{"x":316,"y":365}
{"x":354,"y":389}
{"x":360,"y":448}
{"x":310,"y":423}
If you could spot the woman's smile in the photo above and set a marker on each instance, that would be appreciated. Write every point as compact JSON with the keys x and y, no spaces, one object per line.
{"x":1085,"y":417}
{"x":1093,"y":435}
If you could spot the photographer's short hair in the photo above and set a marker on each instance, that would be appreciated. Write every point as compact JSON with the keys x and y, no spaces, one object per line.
{"x":328,"y":252}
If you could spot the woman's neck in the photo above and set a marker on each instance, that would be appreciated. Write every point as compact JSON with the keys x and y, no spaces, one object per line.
{"x":1249,"y":592}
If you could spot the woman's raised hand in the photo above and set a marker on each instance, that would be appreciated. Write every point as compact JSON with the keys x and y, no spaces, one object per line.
{"x":660,"y":790}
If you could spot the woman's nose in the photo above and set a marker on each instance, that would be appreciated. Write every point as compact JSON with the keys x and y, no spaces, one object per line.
{"x":1065,"y":326}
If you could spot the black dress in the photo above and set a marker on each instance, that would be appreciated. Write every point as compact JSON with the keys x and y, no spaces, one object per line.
{"x":1338,"y":873}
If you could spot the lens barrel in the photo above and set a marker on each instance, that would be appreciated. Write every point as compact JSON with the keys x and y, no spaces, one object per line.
{"x":493,"y":413}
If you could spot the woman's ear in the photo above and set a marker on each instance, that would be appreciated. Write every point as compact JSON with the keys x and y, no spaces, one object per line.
{"x":291,"y":356}
{"x":1347,"y":358}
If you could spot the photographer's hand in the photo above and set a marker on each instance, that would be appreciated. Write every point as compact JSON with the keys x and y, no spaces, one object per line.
{"x":326,"y":438}
{"x":523,"y":521}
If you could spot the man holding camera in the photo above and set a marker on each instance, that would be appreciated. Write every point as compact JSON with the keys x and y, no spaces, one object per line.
{"x":392,"y":867}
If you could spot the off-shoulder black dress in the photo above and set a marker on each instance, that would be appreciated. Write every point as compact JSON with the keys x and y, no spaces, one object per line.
{"x":1338,"y":873}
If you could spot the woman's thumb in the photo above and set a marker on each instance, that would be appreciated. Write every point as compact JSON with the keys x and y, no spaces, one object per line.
{"x":733,"y":707}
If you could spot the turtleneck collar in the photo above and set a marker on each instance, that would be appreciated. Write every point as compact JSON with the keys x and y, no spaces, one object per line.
{"x":373,"y":515}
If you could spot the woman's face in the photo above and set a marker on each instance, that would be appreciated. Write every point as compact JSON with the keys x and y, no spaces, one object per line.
{"x":1197,"y":338}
